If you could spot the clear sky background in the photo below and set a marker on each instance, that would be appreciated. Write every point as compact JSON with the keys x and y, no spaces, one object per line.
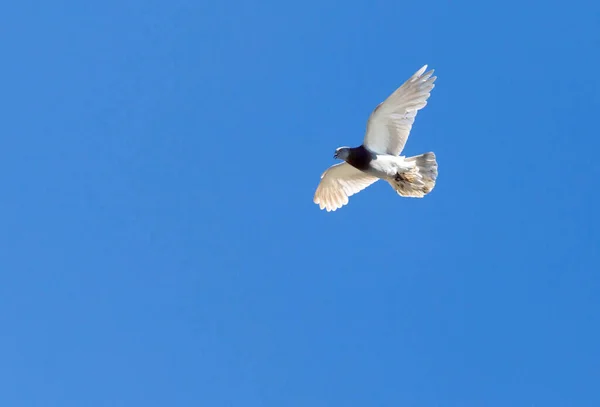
{"x":158,"y":241}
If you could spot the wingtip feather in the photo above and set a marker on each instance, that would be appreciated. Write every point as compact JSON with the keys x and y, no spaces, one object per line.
{"x":419,"y":72}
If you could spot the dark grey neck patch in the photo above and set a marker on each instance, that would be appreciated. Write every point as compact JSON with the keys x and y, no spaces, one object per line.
{"x":359,"y":158}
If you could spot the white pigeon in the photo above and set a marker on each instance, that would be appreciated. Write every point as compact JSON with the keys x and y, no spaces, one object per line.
{"x":378,"y":157}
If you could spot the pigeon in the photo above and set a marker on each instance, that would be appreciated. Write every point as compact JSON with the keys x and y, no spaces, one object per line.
{"x":378,"y":157}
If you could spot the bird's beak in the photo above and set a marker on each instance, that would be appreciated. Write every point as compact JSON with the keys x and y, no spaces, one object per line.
{"x":335,"y":155}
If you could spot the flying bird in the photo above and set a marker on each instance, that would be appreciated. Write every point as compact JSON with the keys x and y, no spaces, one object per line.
{"x":378,"y":157}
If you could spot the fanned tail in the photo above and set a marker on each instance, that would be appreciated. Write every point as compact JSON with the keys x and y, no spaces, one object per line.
{"x":420,"y":180}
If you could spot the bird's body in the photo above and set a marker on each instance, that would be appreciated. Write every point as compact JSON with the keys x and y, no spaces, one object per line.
{"x":379,"y":165}
{"x":378,"y":157}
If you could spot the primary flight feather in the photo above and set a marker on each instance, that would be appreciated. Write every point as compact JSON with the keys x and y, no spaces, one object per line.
{"x":377,"y":158}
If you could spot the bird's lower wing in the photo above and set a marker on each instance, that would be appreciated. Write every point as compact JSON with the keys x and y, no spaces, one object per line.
{"x":338,"y":183}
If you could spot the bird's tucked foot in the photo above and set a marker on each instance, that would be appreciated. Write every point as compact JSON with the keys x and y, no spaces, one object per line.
{"x":404,"y":176}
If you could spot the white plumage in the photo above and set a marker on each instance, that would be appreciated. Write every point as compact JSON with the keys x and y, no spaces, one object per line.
{"x":388,"y":128}
{"x":339,"y":182}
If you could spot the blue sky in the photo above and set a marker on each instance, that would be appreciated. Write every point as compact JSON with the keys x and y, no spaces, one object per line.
{"x":158,"y":241}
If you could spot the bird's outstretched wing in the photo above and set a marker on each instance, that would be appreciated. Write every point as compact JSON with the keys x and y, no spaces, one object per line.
{"x":390,"y":123}
{"x":338,"y":183}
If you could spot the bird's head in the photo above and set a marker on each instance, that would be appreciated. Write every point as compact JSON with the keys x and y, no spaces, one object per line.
{"x":342,"y":153}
